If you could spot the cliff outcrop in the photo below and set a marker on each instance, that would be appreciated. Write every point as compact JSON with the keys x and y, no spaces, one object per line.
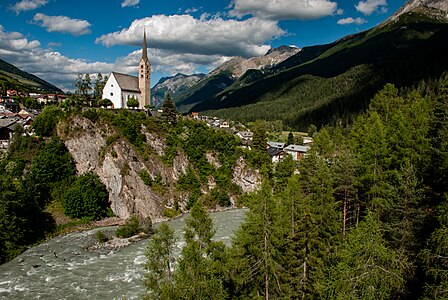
{"x":100,"y":148}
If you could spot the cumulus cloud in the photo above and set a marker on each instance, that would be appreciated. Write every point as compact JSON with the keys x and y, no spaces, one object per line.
{"x":126,"y":3}
{"x":171,"y":63}
{"x":61,"y":71}
{"x":185,"y":34}
{"x":284,"y":9}
{"x":26,"y":5}
{"x":350,"y":20}
{"x":62,"y":24}
{"x":367,"y":7}
{"x":47,"y":64}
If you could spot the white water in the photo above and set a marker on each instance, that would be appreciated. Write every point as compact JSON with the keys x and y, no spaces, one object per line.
{"x":62,"y":268}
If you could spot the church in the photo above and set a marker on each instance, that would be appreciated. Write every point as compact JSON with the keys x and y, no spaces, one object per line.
{"x":119,"y":88}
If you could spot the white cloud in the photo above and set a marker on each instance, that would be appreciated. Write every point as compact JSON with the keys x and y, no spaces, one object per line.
{"x":62,"y":24}
{"x":61,"y":71}
{"x":26,"y":5}
{"x":284,"y":9}
{"x":192,"y":10}
{"x":367,"y":7}
{"x":185,"y":34}
{"x":170,"y":63}
{"x":350,"y":20}
{"x":126,"y":3}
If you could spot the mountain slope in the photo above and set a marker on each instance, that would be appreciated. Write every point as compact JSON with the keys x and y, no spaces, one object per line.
{"x":12,"y":77}
{"x":228,"y":73}
{"x":335,"y":81}
{"x":174,"y":85}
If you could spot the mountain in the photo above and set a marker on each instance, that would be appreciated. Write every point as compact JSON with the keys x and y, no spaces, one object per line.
{"x":12,"y":77}
{"x":225,"y":75}
{"x":174,"y":85}
{"x":334,"y":82}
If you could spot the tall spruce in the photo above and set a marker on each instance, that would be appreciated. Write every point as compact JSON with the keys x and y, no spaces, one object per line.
{"x":200,"y":273}
{"x":169,"y":112}
{"x":367,"y":268}
{"x":159,"y":279}
{"x":253,"y":266}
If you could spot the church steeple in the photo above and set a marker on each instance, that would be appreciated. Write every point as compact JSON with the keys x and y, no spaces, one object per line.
{"x":145,"y":47}
{"x":144,"y":75}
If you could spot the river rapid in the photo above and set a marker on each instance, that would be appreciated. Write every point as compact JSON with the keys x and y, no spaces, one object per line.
{"x":62,"y":268}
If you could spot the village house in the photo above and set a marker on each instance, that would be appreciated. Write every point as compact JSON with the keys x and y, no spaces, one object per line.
{"x":119,"y":88}
{"x":297,"y":151}
{"x":246,"y":137}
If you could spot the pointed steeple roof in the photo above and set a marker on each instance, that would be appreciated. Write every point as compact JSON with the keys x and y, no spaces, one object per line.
{"x":145,"y":48}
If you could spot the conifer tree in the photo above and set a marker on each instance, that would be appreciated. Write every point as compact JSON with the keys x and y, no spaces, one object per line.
{"x":318,"y":230}
{"x":200,"y":273}
{"x":159,"y":279}
{"x":253,"y":266}
{"x":435,"y":257}
{"x":169,"y":110}
{"x":367,"y":268}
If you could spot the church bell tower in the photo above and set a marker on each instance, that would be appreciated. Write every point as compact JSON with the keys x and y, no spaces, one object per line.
{"x":144,"y":75}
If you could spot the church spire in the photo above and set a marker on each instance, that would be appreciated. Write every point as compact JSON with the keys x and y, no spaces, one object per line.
{"x":145,"y":48}
{"x":144,"y":75}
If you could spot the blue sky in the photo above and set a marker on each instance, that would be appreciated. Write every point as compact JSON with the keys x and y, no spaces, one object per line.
{"x":56,"y":39}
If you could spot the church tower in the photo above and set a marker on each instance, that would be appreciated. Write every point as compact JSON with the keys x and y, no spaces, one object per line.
{"x":144,"y":75}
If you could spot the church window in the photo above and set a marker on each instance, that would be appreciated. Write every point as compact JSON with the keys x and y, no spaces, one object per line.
{"x":141,"y":76}
{"x":111,"y":94}
{"x":147,"y":76}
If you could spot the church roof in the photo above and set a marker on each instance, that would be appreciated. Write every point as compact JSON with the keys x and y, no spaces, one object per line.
{"x":127,"y":82}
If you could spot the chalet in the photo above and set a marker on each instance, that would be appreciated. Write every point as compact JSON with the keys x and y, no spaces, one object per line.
{"x":7,"y":126}
{"x":296,"y":151}
{"x":9,"y":104}
{"x":246,"y":137}
{"x":119,"y":88}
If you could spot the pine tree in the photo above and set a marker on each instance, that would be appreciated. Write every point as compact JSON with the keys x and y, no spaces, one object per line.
{"x":253,"y":266}
{"x":169,"y":113}
{"x":435,"y":257}
{"x":290,"y":139}
{"x":159,"y":279}
{"x":318,"y":230}
{"x":366,"y":268}
{"x":201,"y":273}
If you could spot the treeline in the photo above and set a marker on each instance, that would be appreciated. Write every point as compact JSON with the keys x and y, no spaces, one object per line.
{"x":38,"y":180}
{"x":365,"y":218}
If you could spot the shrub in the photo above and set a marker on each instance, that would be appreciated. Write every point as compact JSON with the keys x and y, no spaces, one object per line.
{"x":130,"y":228}
{"x":88,"y":197}
{"x":101,"y":237}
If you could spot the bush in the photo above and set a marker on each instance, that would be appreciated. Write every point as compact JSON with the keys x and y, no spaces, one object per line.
{"x":101,"y":237}
{"x":88,"y":197}
{"x":45,"y":123}
{"x":130,"y":228}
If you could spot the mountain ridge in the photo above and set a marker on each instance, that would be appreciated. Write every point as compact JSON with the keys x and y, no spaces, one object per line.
{"x":12,"y":77}
{"x":378,"y":52}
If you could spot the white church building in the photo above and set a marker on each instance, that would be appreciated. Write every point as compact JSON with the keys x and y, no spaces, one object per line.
{"x":119,"y":88}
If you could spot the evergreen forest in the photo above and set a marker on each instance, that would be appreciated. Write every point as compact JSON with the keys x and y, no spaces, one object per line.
{"x":365,"y":217}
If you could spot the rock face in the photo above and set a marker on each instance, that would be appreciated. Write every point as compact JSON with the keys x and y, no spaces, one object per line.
{"x":237,"y":66}
{"x":248,"y":180}
{"x":119,"y":166}
{"x":173,"y":85}
{"x":436,"y":8}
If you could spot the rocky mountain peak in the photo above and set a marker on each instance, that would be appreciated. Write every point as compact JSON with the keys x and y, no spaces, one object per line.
{"x":438,"y":8}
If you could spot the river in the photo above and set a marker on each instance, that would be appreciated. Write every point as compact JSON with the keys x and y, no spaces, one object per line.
{"x":62,"y":268}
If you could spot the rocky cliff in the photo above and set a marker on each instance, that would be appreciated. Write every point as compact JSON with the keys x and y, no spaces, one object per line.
{"x":98,"y":147}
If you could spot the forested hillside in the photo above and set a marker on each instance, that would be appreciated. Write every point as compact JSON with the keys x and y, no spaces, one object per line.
{"x":333,"y":83}
{"x":364,"y":219}
{"x":13,"y":78}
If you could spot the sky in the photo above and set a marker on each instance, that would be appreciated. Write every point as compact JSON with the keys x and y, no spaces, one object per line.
{"x":57,"y":39}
